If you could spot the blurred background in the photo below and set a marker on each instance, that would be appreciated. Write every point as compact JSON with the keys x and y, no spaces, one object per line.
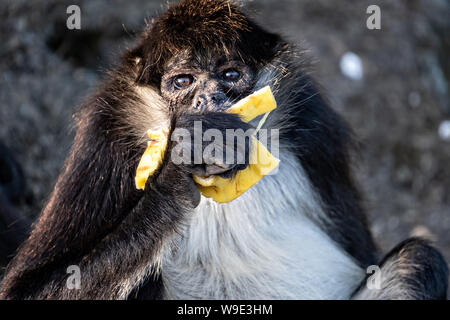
{"x":393,"y":90}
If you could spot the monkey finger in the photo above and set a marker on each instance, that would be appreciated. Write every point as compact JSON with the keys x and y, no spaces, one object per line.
{"x":192,"y":191}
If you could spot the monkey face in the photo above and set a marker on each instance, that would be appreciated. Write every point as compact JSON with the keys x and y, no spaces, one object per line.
{"x":202,"y":82}
{"x":197,"y":59}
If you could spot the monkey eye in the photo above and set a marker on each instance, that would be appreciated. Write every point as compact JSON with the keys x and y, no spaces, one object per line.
{"x":183,"y":81}
{"x":231,"y":75}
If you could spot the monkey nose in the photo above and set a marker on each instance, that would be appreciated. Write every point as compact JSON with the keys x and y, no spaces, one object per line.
{"x":200,"y":102}
{"x":218,"y":98}
{"x":214,"y":102}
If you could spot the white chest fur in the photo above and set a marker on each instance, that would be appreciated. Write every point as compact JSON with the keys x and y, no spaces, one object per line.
{"x":264,"y":245}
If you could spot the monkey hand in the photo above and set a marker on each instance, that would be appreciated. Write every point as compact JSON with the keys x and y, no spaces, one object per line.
{"x":201,"y":145}
{"x":174,"y":182}
{"x":213,"y":143}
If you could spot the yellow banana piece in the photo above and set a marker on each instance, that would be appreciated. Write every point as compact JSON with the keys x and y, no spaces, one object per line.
{"x":259,"y":102}
{"x":152,"y":157}
{"x":262,"y":162}
{"x":222,"y":190}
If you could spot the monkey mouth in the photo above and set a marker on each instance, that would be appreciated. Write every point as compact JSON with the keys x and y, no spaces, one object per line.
{"x":204,"y":181}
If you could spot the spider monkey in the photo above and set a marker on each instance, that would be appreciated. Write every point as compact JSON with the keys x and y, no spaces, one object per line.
{"x":298,"y":234}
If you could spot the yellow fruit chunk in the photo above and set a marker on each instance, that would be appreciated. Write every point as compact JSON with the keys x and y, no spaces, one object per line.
{"x":259,"y":102}
{"x":222,"y":190}
{"x":262,"y":162}
{"x":152,"y":157}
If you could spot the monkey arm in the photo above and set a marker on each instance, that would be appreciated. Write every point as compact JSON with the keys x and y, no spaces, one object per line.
{"x":413,"y":270}
{"x":97,"y":220}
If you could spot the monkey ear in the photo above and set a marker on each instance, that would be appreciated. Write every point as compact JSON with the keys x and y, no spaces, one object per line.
{"x":140,"y":58}
{"x":136,"y":60}
{"x":135,"y":56}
